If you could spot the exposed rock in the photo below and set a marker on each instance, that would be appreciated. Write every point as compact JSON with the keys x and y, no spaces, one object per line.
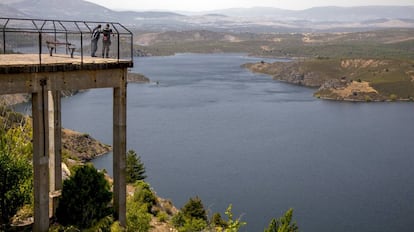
{"x":287,"y":71}
{"x":362,"y":63}
{"x":65,"y":171}
{"x":13,"y":99}
{"x":82,"y":146}
{"x":137,"y":78}
{"x":350,"y":91}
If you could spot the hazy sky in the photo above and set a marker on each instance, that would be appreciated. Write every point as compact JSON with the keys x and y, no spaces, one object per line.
{"x":197,"y":5}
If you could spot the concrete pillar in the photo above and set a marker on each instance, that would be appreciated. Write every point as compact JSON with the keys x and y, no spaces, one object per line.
{"x":119,"y":150}
{"x":55,"y":149}
{"x":41,"y":158}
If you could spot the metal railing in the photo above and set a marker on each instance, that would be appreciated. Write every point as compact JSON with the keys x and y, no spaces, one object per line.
{"x":29,"y":36}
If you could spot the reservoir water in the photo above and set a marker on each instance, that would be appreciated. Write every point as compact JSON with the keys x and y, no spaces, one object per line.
{"x":212,"y":129}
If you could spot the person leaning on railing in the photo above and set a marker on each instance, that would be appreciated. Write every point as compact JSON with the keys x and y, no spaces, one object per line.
{"x":95,"y":37}
{"x":106,"y":41}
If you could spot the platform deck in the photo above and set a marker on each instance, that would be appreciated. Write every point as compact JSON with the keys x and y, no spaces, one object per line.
{"x":21,"y":63}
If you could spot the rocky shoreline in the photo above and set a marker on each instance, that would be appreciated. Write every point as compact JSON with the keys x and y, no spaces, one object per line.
{"x":364,"y":80}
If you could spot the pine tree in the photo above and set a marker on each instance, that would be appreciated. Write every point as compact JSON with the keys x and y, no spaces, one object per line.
{"x":135,"y":169}
{"x":194,"y":208}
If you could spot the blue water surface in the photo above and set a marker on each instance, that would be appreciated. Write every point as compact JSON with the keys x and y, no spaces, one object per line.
{"x":212,"y":129}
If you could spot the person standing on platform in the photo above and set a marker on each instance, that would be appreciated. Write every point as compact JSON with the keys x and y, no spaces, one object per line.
{"x":106,"y":41}
{"x":96,"y":32}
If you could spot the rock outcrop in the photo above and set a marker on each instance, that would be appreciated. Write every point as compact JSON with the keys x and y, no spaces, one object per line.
{"x":346,"y":79}
{"x":82,"y":146}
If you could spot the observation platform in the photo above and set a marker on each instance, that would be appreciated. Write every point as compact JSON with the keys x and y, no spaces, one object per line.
{"x":18,"y":72}
{"x":28,"y":65}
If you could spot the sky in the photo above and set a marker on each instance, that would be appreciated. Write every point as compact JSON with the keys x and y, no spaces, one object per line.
{"x":206,"y":5}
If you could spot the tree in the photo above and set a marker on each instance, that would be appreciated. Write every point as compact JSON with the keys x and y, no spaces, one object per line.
{"x":16,"y":175}
{"x":218,"y":221}
{"x":192,"y":217}
{"x":283,"y":224}
{"x":85,"y":198}
{"x":194,"y":208}
{"x":232,"y":225}
{"x":135,"y":169}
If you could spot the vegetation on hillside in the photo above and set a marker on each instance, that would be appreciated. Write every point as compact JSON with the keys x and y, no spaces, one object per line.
{"x":16,"y":181}
{"x":390,"y":43}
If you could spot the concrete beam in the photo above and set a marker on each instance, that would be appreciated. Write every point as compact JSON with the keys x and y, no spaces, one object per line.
{"x":58,"y":81}
{"x":119,"y":149}
{"x":41,"y":157}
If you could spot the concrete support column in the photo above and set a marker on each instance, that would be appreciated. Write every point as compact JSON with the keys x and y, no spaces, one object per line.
{"x":55,"y":149}
{"x":119,"y":150}
{"x":41,"y":158}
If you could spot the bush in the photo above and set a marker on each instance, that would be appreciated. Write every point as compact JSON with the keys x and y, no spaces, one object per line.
{"x":16,"y":182}
{"x":393,"y":97}
{"x":144,"y":195}
{"x":103,"y":225}
{"x":231,"y":224}
{"x":162,"y":217}
{"x":85,"y":198}
{"x":138,"y":218}
{"x":283,"y":224}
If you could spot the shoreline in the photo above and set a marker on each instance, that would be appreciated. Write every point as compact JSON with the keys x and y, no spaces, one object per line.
{"x":337,"y":80}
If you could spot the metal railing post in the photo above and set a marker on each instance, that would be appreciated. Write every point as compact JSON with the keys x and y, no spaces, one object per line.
{"x":40,"y":47}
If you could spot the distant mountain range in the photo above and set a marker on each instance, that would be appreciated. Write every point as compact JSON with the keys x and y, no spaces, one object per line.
{"x":323,"y":14}
{"x":257,"y":19}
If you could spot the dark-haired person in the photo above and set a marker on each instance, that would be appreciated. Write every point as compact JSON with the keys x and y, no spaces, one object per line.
{"x":96,"y":32}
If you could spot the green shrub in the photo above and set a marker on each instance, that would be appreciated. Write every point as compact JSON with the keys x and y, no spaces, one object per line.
{"x":16,"y":182}
{"x":85,"y":198}
{"x":193,"y":225}
{"x":103,"y":225}
{"x":178,"y":220}
{"x":233,"y":225}
{"x":283,"y":224}
{"x":116,"y":227}
{"x":138,"y":218}
{"x":162,"y":217}
{"x":144,"y":195}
